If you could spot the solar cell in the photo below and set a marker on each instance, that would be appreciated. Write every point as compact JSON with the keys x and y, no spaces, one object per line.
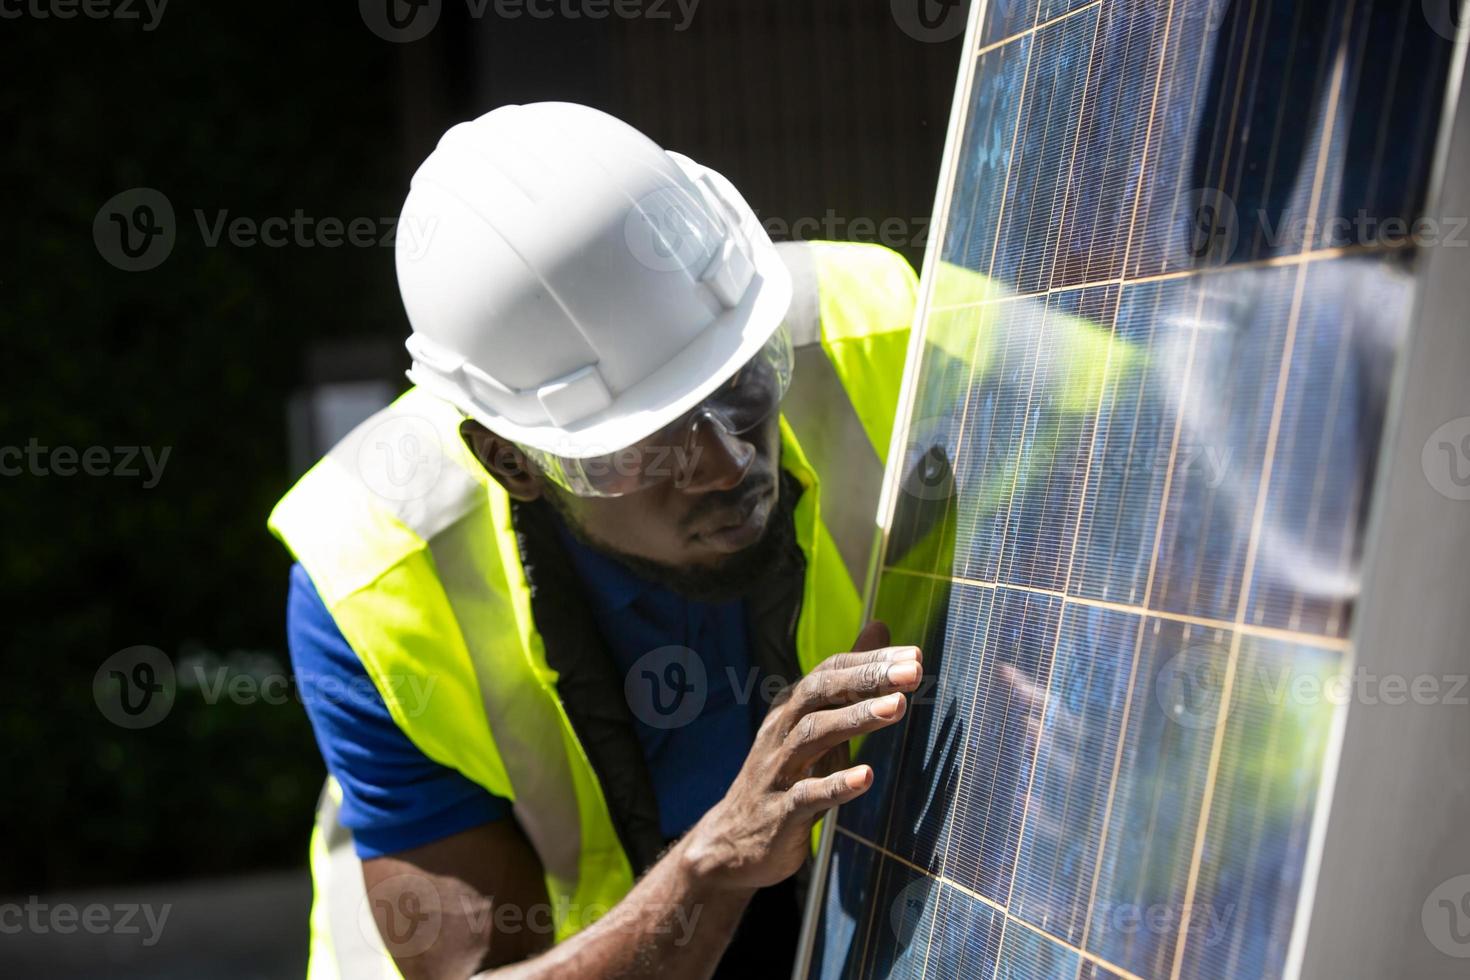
{"x":1127,"y":510}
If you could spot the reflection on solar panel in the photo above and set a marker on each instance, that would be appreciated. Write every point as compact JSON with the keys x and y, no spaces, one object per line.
{"x":1127,"y":521}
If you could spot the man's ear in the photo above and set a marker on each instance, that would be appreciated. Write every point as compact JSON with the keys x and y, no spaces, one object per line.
{"x":503,"y":460}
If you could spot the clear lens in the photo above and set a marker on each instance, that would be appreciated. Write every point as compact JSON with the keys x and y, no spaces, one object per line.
{"x":739,"y":405}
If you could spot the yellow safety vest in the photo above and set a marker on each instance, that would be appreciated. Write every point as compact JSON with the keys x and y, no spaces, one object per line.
{"x":422,"y":574}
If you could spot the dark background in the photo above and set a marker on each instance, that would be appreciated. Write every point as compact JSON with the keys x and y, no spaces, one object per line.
{"x":830,"y":110}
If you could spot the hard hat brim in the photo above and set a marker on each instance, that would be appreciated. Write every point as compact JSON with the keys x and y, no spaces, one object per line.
{"x":685,"y":380}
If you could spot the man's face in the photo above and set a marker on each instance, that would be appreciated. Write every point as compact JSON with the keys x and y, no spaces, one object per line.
{"x":713,"y":509}
{"x":703,"y":524}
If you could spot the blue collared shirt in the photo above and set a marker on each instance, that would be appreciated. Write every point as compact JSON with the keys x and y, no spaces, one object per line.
{"x":395,"y":798}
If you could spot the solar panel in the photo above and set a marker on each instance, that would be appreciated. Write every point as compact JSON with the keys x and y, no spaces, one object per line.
{"x":1127,"y":515}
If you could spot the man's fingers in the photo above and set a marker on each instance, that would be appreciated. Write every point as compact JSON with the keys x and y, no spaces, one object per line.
{"x":842,"y":661}
{"x":845,"y":685}
{"x":812,"y":796}
{"x":821,"y":731}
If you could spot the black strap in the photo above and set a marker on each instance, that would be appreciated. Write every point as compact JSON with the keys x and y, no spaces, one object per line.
{"x":772,"y":610}
{"x":588,"y":683}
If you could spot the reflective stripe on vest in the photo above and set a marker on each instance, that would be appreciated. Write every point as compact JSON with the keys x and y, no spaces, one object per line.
{"x":410,"y":545}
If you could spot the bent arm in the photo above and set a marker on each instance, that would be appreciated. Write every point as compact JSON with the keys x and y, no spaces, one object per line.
{"x":477,"y":901}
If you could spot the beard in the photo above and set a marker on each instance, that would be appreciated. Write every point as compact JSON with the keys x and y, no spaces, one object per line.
{"x":733,"y":577}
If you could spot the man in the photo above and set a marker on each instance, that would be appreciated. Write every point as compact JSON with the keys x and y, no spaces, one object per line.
{"x":565,"y":576}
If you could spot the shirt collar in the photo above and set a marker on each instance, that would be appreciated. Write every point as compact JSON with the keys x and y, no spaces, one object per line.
{"x":610,"y":584}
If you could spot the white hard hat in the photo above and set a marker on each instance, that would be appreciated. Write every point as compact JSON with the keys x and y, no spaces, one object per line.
{"x":572,"y":286}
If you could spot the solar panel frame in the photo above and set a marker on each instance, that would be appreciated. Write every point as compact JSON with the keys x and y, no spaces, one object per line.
{"x":1244,"y":635}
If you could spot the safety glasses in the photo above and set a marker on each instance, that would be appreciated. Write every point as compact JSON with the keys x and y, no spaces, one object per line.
{"x":739,"y":405}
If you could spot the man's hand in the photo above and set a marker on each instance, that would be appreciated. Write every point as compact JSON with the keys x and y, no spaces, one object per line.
{"x":760,"y":833}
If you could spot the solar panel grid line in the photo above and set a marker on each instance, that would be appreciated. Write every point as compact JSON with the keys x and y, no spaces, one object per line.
{"x":1259,"y":515}
{"x":1277,"y":130}
{"x":1000,"y":224}
{"x":990,"y":903}
{"x":1037,"y":27}
{"x":1318,"y":489}
{"x":1153,"y":551}
{"x":1111,"y":129}
{"x":1224,"y":157}
{"x":1375,"y":168}
{"x":1169,"y":468}
{"x":1148,"y":142}
{"x":1128,"y":238}
{"x":888,"y":502}
{"x":1253,"y":543}
{"x":1040,"y":500}
{"x":990,"y":795}
{"x":1272,"y":262}
{"x":980,"y":14}
{"x":1303,"y":638}
{"x":1011,"y":156}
